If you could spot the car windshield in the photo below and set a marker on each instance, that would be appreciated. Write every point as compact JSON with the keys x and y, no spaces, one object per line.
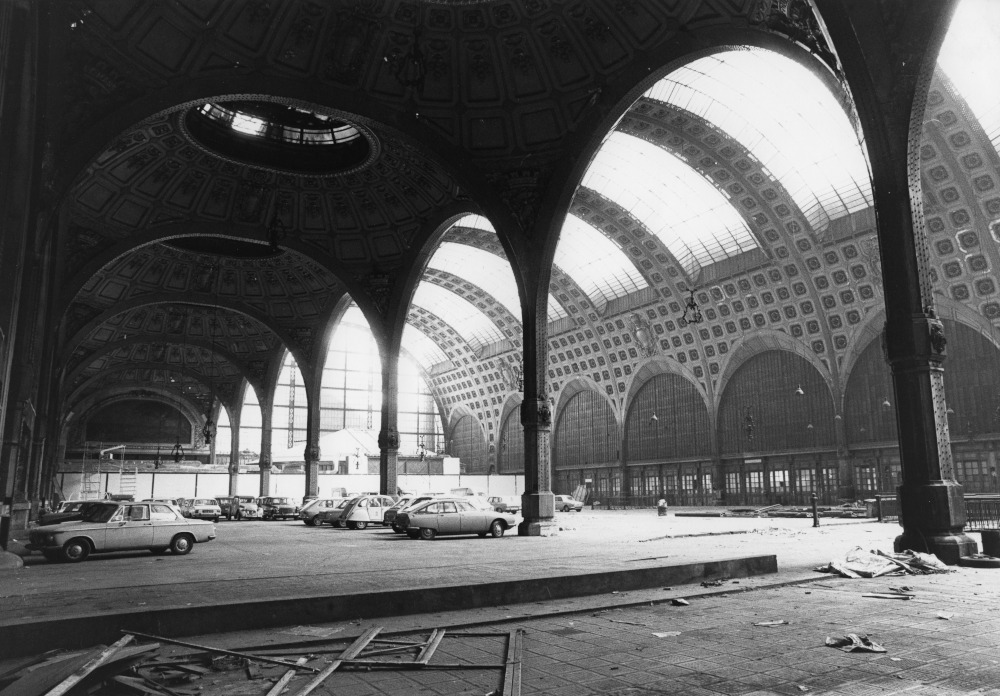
{"x":342,"y":504}
{"x":100,"y":513}
{"x":281,"y":501}
{"x":203,"y":501}
{"x":478,"y":503}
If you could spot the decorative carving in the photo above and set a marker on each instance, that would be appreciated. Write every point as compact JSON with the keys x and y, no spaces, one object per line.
{"x":388,"y":439}
{"x":352,"y":40}
{"x":312,"y":453}
{"x":938,"y":340}
{"x":521,"y":191}
{"x":643,"y":334}
{"x":379,"y":289}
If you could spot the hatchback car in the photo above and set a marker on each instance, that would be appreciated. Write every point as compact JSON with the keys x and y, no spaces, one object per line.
{"x":311,"y":511}
{"x":565,"y":503}
{"x":364,"y":510}
{"x":113,"y":526}
{"x":389,"y":516}
{"x":202,"y":509}
{"x":273,"y":507}
{"x":453,"y":516}
{"x":332,"y":514}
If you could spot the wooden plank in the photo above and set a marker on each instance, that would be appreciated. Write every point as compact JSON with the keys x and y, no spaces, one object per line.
{"x":352,"y":651}
{"x":98,"y":660}
{"x":222,"y":651}
{"x":512,"y":673}
{"x":390,"y":651}
{"x":280,"y":685}
{"x":428,"y":652}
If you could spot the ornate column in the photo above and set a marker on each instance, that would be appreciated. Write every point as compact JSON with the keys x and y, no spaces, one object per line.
{"x":312,"y":451}
{"x":234,"y":456}
{"x":537,"y":501}
{"x":889,"y":50}
{"x":267,"y":413}
{"x":388,"y":437}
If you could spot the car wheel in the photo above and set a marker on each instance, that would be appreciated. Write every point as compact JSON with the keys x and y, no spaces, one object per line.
{"x":497,"y":529}
{"x":342,"y":523}
{"x":360,"y":525}
{"x":427,"y":534}
{"x":398,"y":529}
{"x":565,"y":508}
{"x":412,"y":534}
{"x":52,"y":556}
{"x":75,"y":550}
{"x":182,"y":544}
{"x":311,"y":521}
{"x":159,"y":551}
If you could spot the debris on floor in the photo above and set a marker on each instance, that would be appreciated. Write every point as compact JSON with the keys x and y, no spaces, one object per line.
{"x":775,"y":622}
{"x":666,"y":634}
{"x":156,"y":669}
{"x":858,"y":563}
{"x":678,"y":602}
{"x":852,"y":642}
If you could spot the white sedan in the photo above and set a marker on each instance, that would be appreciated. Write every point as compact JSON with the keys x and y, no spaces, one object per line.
{"x":113,"y":526}
{"x":454,"y":516}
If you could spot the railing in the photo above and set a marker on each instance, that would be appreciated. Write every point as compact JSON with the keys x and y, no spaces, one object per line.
{"x":982,"y":511}
{"x":649,"y":500}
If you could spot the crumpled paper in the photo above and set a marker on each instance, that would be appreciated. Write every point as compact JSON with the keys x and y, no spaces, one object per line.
{"x":852,"y":642}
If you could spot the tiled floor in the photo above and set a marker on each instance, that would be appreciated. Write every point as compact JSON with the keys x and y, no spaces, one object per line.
{"x":717,"y":648}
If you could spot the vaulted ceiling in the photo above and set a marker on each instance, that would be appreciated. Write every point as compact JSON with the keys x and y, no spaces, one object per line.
{"x":192,"y":269}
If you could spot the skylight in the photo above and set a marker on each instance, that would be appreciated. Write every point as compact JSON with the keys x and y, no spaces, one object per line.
{"x":692,"y":218}
{"x":598,"y":265}
{"x":465,"y":318}
{"x":481,"y":268}
{"x":969,"y":57}
{"x":420,"y":346}
{"x":787,"y":118}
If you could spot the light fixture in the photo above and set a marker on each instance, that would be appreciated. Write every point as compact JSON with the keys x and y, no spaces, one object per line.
{"x":885,"y":402}
{"x":798,"y":390}
{"x":748,"y":424}
{"x":809,"y":427}
{"x":692,"y":312}
{"x":423,"y":451}
{"x":177,"y":452}
{"x":653,"y":419}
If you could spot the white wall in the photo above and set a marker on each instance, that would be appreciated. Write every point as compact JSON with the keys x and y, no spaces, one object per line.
{"x":187,"y":484}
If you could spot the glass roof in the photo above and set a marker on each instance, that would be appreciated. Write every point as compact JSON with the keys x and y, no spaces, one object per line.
{"x":421,"y":347}
{"x":476,"y":222}
{"x":598,"y":265}
{"x":693,"y":218}
{"x":464,"y":317}
{"x":481,"y":268}
{"x":969,"y":57}
{"x":787,"y":118}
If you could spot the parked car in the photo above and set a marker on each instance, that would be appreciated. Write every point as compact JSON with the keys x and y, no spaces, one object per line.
{"x":363,"y":511}
{"x":249,"y":510}
{"x":453,"y":516}
{"x":311,"y":511}
{"x":389,"y":516}
{"x":67,"y":511}
{"x":168,"y":501}
{"x":332,"y":514}
{"x":115,"y":526}
{"x":273,"y":507}
{"x":565,"y":503}
{"x":505,"y":503}
{"x":202,"y":509}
